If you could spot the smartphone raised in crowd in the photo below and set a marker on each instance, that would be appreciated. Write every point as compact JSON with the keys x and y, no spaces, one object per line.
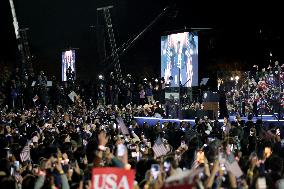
{"x":120,"y":150}
{"x":167,"y":166}
{"x":17,"y":165}
{"x":155,"y":170}
{"x":149,"y":144}
{"x":182,"y":144}
{"x":278,"y":132}
{"x":134,"y":154}
{"x":200,"y":156}
{"x":142,"y":147}
{"x":9,"y":154}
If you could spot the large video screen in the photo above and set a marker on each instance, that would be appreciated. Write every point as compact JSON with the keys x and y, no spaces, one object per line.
{"x":68,"y":64}
{"x":179,"y":59}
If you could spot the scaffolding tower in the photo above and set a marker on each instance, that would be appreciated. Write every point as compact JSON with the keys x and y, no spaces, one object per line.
{"x":27,"y":58}
{"x":22,"y":41}
{"x":112,"y":42}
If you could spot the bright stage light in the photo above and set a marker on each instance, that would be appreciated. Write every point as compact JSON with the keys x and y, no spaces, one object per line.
{"x":101,"y":76}
{"x":237,"y":78}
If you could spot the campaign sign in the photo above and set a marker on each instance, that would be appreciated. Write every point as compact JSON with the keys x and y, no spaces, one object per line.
{"x":112,"y":178}
{"x":183,"y":180}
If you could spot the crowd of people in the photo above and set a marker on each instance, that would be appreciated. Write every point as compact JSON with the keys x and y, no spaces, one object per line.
{"x":47,"y":142}
{"x":259,"y":92}
{"x":19,"y":90}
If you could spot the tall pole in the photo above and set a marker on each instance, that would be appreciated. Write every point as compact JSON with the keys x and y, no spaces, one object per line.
{"x":179,"y":101}
{"x":17,"y":33}
{"x":279,"y":98}
{"x":15,"y":21}
{"x":248,"y":86}
{"x":248,"y":95}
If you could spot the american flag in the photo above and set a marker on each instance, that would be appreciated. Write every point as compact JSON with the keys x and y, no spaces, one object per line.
{"x":159,"y":148}
{"x":122,"y":126}
{"x":25,"y":153}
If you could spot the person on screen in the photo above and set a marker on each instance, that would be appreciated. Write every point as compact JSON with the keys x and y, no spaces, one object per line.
{"x":176,"y":62}
{"x":70,"y":73}
{"x":188,"y":52}
{"x":189,"y":67}
{"x":168,"y":59}
{"x":69,"y":61}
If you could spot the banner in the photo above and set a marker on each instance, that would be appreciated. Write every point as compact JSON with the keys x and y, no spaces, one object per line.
{"x":110,"y":177}
{"x":122,"y":126}
{"x":183,"y":180}
{"x":72,"y":96}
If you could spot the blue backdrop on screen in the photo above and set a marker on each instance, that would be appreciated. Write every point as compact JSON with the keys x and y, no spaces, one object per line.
{"x":179,"y":51}
{"x":68,"y":60}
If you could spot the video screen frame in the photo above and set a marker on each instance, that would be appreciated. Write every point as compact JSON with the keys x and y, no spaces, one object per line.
{"x":68,"y":60}
{"x":179,"y":56}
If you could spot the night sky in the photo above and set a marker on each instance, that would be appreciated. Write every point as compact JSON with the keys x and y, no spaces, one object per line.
{"x":241,"y":35}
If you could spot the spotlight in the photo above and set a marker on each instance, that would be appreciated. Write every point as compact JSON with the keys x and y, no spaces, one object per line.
{"x":237,"y":78}
{"x":101,"y":77}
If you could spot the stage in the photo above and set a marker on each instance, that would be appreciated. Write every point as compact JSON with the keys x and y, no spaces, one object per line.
{"x":267,"y":119}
